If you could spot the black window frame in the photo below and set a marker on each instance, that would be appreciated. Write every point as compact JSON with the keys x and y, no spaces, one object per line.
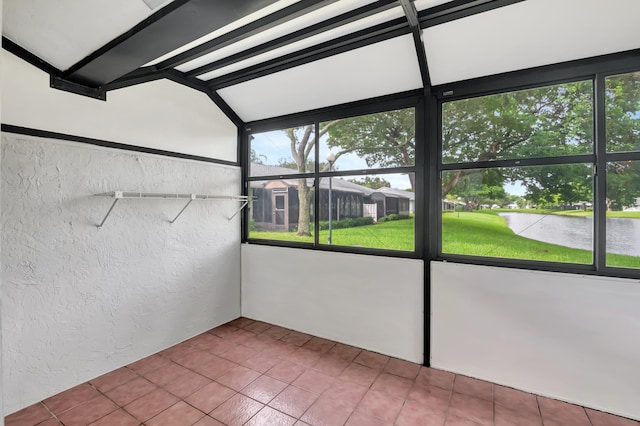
{"x":428,"y":164}
{"x":594,"y":69}
{"x":412,"y":99}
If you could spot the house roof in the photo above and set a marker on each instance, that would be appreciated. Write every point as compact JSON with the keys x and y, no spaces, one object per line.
{"x":256,"y":58}
{"x":398,"y":193}
{"x":337,"y":183}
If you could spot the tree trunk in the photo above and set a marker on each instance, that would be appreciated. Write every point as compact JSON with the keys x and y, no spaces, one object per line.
{"x":304,"y":197}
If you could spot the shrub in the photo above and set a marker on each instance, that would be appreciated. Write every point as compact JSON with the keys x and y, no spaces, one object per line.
{"x":393,"y":216}
{"x":351,"y":222}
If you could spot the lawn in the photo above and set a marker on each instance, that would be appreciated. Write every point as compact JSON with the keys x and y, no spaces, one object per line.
{"x":485,"y":233}
{"x":394,"y":235}
{"x":589,"y":213}
{"x":482,"y":233}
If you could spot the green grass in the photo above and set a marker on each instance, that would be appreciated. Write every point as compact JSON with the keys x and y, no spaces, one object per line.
{"x":487,"y":234}
{"x":482,"y":233}
{"x":394,"y":235}
{"x":589,"y":213}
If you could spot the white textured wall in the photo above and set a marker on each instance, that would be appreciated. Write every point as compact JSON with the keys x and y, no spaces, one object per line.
{"x":570,"y":337}
{"x":370,"y":302}
{"x":79,"y":301}
{"x":1,"y":291}
{"x":160,"y":114}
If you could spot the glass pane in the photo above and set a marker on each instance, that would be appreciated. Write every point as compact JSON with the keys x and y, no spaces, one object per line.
{"x":534,"y":213}
{"x":623,"y":214}
{"x":282,"y":209}
{"x":282,"y":151}
{"x":373,"y":211}
{"x":385,"y":139}
{"x":541,"y":122}
{"x":623,"y":112}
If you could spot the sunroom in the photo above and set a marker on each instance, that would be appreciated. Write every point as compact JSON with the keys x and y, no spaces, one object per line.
{"x":320,"y":211}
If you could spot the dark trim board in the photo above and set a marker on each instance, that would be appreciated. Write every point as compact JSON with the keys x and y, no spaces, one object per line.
{"x":564,"y":72}
{"x":56,"y":79}
{"x":319,"y":28}
{"x":350,"y":109}
{"x":169,"y":28}
{"x":459,"y":9}
{"x":8,"y":128}
{"x":388,"y":30}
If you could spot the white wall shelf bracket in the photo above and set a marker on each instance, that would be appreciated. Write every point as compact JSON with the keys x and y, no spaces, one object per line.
{"x":118,"y":195}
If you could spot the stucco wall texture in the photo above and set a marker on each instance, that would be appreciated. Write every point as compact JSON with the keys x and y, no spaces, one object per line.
{"x":79,"y":301}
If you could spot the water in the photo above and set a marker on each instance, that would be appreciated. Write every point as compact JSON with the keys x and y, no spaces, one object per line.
{"x":623,"y":235}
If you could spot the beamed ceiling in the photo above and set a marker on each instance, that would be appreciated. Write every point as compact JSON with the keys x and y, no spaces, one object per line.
{"x":264,"y":58}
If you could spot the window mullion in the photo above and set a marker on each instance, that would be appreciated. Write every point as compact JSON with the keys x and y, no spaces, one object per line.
{"x":600,"y":186}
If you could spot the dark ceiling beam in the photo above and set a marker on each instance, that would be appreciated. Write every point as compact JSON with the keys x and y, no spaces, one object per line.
{"x":319,"y":28}
{"x":297,"y":9}
{"x":368,"y":36}
{"x":56,"y":81}
{"x":139,"y":76}
{"x":412,"y":17}
{"x":459,"y":9}
{"x":173,"y":26}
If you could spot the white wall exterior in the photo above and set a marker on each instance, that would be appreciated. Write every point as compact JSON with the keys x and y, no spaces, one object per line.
{"x":160,"y":114}
{"x":371,"y":302}
{"x":570,"y":337}
{"x":78,"y":301}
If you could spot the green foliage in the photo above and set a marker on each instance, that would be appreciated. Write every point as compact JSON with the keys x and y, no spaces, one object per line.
{"x":392,"y":217}
{"x":539,"y":122}
{"x":372,"y":182}
{"x":252,"y":225}
{"x":347,"y":223}
{"x":385,"y":139}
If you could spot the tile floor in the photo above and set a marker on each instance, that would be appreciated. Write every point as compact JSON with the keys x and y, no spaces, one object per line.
{"x":251,"y":373}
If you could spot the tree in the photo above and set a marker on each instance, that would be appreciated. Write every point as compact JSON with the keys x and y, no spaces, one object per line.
{"x":385,"y":139}
{"x":302,"y":142}
{"x":541,"y":122}
{"x":547,"y":122}
{"x":372,"y":182}
{"x":623,"y":134}
{"x":257,"y":158}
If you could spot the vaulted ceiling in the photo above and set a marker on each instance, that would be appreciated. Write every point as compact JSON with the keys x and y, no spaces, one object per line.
{"x":266,"y":58}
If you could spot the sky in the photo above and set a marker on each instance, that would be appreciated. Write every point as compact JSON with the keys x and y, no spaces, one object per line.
{"x":275,"y":145}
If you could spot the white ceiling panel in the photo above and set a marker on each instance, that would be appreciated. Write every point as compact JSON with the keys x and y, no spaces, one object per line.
{"x":361,"y":24}
{"x":327,"y":12}
{"x":227,"y":28}
{"x":380,"y":69}
{"x":528,"y":34}
{"x":62,"y":32}
{"x":426,"y":4}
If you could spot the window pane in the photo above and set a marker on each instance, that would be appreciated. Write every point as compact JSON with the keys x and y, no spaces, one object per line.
{"x":282,"y":209}
{"x":541,"y":122}
{"x":623,"y":112}
{"x":372,"y":211}
{"x":535,"y":213}
{"x":385,"y":139}
{"x":623,"y":214}
{"x":282,"y":151}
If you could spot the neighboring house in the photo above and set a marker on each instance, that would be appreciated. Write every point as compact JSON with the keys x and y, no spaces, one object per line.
{"x":402,"y":197}
{"x":275,"y":204}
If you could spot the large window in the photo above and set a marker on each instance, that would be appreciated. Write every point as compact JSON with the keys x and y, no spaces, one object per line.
{"x":622,"y":94}
{"x":346,"y":182}
{"x":519,"y":175}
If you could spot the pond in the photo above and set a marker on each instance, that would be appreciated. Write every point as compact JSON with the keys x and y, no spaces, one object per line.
{"x":623,"y":235}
